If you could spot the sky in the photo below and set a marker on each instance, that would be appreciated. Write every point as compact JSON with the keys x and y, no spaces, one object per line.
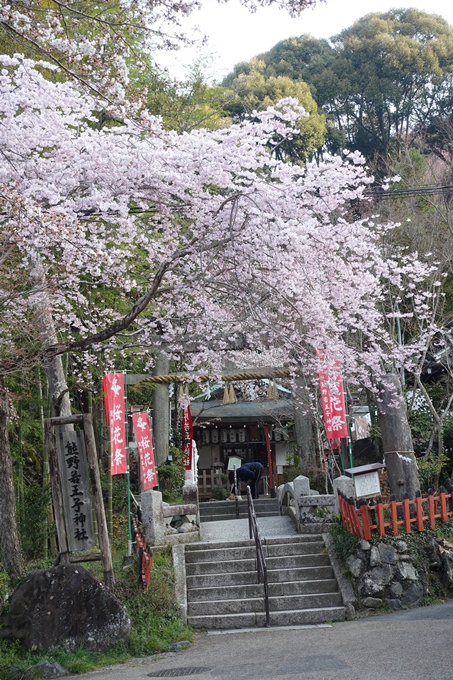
{"x":235,"y":35}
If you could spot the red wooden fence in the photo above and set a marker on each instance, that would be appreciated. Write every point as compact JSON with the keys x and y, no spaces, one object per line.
{"x":366,"y":518}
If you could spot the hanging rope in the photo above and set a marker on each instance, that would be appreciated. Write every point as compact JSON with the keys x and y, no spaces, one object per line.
{"x":257,"y":374}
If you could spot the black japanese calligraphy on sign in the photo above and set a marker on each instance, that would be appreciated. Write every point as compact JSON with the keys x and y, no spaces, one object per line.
{"x":72,"y":464}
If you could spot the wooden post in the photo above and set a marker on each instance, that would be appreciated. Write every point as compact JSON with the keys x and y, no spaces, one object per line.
{"x":57,"y":497}
{"x":419,"y":507}
{"x":269,"y":461}
{"x":342,"y":509}
{"x":380,"y":514}
{"x":407,"y":514}
{"x":355,"y":523}
{"x":394,"y":515}
{"x":161,"y":410}
{"x":104,"y":543}
{"x":431,"y":510}
{"x":365,"y":520}
{"x":443,"y":505}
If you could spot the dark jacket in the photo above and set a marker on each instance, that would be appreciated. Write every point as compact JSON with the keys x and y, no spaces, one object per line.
{"x":249,"y":471}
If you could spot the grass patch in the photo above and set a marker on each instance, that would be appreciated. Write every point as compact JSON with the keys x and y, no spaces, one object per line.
{"x":155,"y":622}
{"x":344,"y":542}
{"x":154,"y":614}
{"x":16,"y":663}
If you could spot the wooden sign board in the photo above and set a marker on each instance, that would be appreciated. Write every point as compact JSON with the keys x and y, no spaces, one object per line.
{"x":367,"y":484}
{"x":72,"y":465}
{"x":234,"y":462}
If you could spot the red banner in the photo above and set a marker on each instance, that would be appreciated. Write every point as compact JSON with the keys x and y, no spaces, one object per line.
{"x":114,"y":390}
{"x":332,"y":397}
{"x":144,"y":439}
{"x":187,"y":436}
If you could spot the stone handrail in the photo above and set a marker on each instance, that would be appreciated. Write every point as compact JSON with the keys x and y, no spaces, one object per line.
{"x":302,"y":503}
{"x":157,"y":518}
{"x":172,"y":510}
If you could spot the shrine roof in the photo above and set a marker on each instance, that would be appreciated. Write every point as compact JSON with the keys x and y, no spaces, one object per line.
{"x":242,"y":411}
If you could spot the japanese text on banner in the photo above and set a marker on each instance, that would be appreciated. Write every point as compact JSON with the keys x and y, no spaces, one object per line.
{"x":332,"y":397}
{"x":187,"y":436}
{"x":113,"y":385}
{"x":144,"y":439}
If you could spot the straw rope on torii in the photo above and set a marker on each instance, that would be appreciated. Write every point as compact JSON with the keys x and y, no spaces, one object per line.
{"x":247,"y":374}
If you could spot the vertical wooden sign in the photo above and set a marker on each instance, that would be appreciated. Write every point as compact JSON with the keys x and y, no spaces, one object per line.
{"x":72,"y":464}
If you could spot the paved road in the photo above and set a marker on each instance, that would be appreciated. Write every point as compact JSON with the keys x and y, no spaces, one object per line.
{"x":407,"y":645}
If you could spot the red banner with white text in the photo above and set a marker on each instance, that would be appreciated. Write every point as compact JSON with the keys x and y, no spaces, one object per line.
{"x":113,"y":385}
{"x":187,"y":436}
{"x":144,"y":439}
{"x":332,"y":397}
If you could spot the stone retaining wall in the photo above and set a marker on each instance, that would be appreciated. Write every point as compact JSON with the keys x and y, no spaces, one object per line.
{"x":390,"y":572}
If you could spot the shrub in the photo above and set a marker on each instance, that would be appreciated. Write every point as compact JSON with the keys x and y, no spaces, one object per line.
{"x":219,"y":493}
{"x":35,"y":504}
{"x":171,"y":476}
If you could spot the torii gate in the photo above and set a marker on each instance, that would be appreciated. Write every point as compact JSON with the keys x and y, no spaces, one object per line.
{"x":245,"y":374}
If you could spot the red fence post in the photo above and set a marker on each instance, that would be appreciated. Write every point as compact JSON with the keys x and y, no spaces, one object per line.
{"x":407,"y":514}
{"x":342,"y":510}
{"x":380,"y":514}
{"x":363,"y":509}
{"x":431,"y":510}
{"x":355,"y":522}
{"x":419,"y":508}
{"x":443,"y":505}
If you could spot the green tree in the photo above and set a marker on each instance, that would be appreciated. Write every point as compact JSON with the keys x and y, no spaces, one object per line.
{"x":384,"y":80}
{"x":254,"y":91}
{"x":395,"y":66}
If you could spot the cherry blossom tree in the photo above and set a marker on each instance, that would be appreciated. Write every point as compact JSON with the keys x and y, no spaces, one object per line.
{"x":131,"y":238}
{"x":210,"y":212}
{"x":106,"y":47}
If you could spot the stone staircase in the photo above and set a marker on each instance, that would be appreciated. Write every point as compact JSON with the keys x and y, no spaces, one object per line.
{"x":214,"y":511}
{"x":222,"y":592}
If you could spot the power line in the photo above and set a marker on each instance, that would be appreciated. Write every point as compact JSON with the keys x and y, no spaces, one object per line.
{"x":396,"y":193}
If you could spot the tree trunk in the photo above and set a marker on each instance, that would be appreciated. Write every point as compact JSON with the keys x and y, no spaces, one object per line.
{"x":9,"y":534}
{"x":397,"y":439}
{"x":58,"y":388}
{"x":303,"y":429}
{"x":161,"y":411}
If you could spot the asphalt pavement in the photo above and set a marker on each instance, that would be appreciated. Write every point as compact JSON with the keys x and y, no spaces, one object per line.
{"x":406,"y":645}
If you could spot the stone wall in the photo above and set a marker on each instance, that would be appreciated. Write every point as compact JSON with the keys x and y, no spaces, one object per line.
{"x":398,"y":573}
{"x":385,"y":574}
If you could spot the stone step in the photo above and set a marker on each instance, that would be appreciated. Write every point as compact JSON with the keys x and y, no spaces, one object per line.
{"x":248,"y":552}
{"x":249,"y":577}
{"x":297,"y":538}
{"x":193,"y":547}
{"x":286,"y":549}
{"x":236,"y":566}
{"x":296,"y":617}
{"x":300,"y":617}
{"x":281,"y":540}
{"x":220,"y":517}
{"x":296,"y":561}
{"x":256,"y":604}
{"x":307,"y":601}
{"x":221,"y":554}
{"x":254,"y":590}
{"x":309,"y":573}
{"x":282,"y":562}
{"x":316,"y":527}
{"x":243,"y":505}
